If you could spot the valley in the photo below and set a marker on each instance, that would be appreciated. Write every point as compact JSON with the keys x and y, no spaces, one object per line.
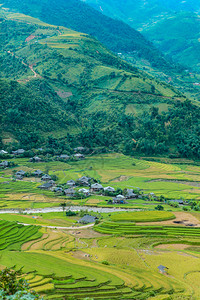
{"x":118,"y":256}
{"x":99,"y":150}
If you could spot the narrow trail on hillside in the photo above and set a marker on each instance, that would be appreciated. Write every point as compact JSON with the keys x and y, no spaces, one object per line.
{"x":60,"y":227}
{"x":29,"y":66}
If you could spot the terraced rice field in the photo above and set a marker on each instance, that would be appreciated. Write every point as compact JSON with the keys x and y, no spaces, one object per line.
{"x":120,"y":259}
{"x":66,"y":264}
{"x":142,"y":216}
{"x":132,"y":229}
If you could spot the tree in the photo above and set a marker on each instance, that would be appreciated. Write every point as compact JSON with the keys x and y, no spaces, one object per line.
{"x":63,"y":204}
{"x":13,"y":284}
{"x":159,"y":207}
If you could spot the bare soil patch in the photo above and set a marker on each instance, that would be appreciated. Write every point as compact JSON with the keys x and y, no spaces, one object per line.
{"x":29,"y":38}
{"x":173,"y":246}
{"x":85,"y":233}
{"x":121,"y":178}
{"x":63,"y":94}
{"x":182,"y":219}
{"x":81,"y":255}
{"x":93,"y":201}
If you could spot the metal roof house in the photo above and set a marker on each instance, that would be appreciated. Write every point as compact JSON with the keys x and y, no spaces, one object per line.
{"x":64,"y":156}
{"x":96,"y":187}
{"x":85,"y":192}
{"x":46,"y":177}
{"x":3,"y":152}
{"x":35,"y":159}
{"x":58,"y":190}
{"x":70,"y":192}
{"x":47,"y":185}
{"x":20,"y":172}
{"x":79,"y":156}
{"x":87,"y":219}
{"x":109,"y":189}
{"x":18,"y":152}
{"x":130,"y":194}
{"x":37,"y":173}
{"x":84,"y":180}
{"x":119,"y":199}
{"x":71,"y":182}
{"x":4,"y":164}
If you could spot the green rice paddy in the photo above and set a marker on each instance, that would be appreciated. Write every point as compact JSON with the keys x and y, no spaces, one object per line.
{"x":119,"y":257}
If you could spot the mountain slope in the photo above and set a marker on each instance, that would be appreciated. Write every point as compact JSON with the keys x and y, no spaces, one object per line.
{"x":116,"y":35}
{"x":96,"y":92}
{"x":139,"y":13}
{"x":173,"y":26}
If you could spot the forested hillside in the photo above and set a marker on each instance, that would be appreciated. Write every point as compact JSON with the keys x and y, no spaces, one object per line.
{"x":173,"y":26}
{"x":139,"y":13}
{"x":116,"y":35}
{"x":72,"y":88}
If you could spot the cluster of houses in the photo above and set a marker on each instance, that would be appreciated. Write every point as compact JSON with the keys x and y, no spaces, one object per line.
{"x":78,"y":154}
{"x":86,"y":186}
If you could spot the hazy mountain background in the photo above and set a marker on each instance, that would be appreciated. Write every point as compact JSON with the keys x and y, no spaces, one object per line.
{"x":173,"y":26}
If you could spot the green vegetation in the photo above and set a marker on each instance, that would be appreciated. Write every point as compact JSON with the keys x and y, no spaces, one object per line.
{"x":109,"y":84}
{"x":114,"y":34}
{"x":13,"y":235}
{"x":146,"y":216}
{"x":12,"y":286}
{"x":132,"y":229}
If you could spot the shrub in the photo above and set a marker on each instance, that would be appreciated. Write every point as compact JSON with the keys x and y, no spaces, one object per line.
{"x":159,"y":207}
{"x":105,"y":262}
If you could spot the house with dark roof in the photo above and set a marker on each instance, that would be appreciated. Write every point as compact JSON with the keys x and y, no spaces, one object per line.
{"x":35,"y":159}
{"x":85,"y":181}
{"x":20,"y":173}
{"x":37,"y":173}
{"x":4,"y":164}
{"x":130,"y":194}
{"x":58,"y":190}
{"x":109,"y":189}
{"x":47,"y":185}
{"x":18,"y":152}
{"x":70,"y":192}
{"x":46,"y":177}
{"x":96,"y":187}
{"x":87,"y":219}
{"x":71,"y":183}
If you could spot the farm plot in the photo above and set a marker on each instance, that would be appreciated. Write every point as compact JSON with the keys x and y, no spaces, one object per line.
{"x":132,"y":229}
{"x":68,"y":279}
{"x":13,"y":235}
{"x":142,"y":216}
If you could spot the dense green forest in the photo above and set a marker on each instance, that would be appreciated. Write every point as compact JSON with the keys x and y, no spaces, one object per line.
{"x":173,"y":26}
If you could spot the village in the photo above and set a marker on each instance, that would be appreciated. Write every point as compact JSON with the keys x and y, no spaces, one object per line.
{"x":82,"y":188}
